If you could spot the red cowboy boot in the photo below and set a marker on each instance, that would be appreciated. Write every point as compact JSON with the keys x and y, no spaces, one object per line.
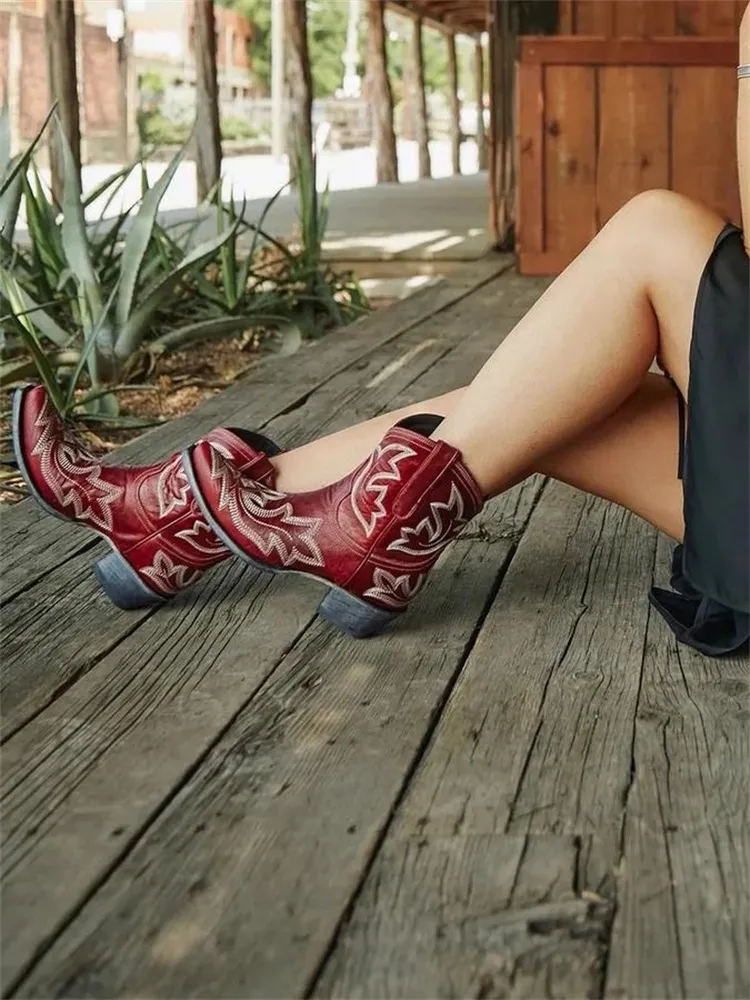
{"x":160,"y":540}
{"x":373,"y":536}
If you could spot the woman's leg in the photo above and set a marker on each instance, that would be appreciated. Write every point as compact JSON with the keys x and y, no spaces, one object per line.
{"x":630,"y":457}
{"x":587,"y":344}
{"x":578,"y":354}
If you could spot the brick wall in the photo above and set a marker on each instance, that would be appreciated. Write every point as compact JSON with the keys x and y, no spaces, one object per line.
{"x":100,"y":108}
{"x":100,"y":81}
{"x":35,"y":100}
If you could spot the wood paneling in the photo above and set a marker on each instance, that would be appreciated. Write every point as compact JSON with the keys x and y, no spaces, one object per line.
{"x":633,"y":150}
{"x":602,"y":119}
{"x":703,"y":137}
{"x":569,"y":156}
{"x":650,"y":18}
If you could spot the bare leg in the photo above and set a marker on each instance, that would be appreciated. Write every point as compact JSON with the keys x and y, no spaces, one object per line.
{"x":575,"y":359}
{"x":631,"y":457}
{"x":587,"y":344}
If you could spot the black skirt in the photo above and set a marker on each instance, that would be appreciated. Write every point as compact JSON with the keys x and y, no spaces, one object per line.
{"x":709,"y":607}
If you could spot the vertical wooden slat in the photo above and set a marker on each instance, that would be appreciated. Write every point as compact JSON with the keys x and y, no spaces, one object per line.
{"x":645,"y":18}
{"x":633,"y":151}
{"x":708,"y":18}
{"x":595,"y":17}
{"x":566,"y":23}
{"x":569,"y":157}
{"x":421,"y":122}
{"x":703,"y":137}
{"x":740,"y":6}
{"x":529,"y":146}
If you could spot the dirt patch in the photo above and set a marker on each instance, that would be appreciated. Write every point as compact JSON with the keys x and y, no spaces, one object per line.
{"x":176,"y":385}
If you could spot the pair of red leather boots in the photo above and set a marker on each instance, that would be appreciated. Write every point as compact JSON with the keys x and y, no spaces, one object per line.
{"x":372,"y":537}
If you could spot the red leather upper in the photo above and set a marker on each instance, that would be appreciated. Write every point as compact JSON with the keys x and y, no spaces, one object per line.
{"x":375,"y":533}
{"x":147,"y":512}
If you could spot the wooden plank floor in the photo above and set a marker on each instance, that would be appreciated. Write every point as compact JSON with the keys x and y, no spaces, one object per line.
{"x":526,"y":790}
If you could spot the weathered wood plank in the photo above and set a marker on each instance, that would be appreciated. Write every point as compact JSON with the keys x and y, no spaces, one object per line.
{"x":535,"y":740}
{"x":86,"y":741}
{"x":51,"y":608}
{"x":683,"y":919}
{"x":471,"y":916}
{"x":537,"y":736}
{"x":33,"y":543}
{"x":236,"y":889}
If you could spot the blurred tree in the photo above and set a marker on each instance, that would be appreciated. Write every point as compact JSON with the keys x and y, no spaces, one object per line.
{"x":326,"y":29}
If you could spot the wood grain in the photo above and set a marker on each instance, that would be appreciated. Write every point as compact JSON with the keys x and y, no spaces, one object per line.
{"x":32,"y":543}
{"x":532,"y":754}
{"x":471,"y":916}
{"x":530,"y":155}
{"x":633,"y":153}
{"x":555,"y":51}
{"x":536,"y":738}
{"x":707,"y":17}
{"x":165,"y":694}
{"x":237,"y":887}
{"x":703,"y":138}
{"x":595,"y":17}
{"x":683,"y":922}
{"x":569,"y":158}
{"x":645,"y":18}
{"x":34,"y":672}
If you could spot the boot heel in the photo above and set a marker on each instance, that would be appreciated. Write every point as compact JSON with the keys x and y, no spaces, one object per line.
{"x":122,"y":585}
{"x":354,"y":616}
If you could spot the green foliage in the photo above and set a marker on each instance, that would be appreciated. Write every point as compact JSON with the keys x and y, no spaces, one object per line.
{"x":326,"y":28}
{"x":81,"y":305}
{"x":258,"y":12}
{"x":156,"y":130}
{"x":233,"y":127}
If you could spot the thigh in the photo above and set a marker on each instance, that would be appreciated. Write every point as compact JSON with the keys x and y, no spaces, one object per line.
{"x":631,"y":457}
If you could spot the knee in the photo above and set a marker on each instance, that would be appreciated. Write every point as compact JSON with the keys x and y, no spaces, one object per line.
{"x":655,"y":207}
{"x":657,"y":220}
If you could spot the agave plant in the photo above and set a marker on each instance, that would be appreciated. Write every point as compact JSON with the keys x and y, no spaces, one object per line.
{"x":86,"y":297}
{"x":82,"y":303}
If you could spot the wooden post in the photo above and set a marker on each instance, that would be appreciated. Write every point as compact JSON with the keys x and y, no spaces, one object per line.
{"x":126,"y":121}
{"x":455,"y":105}
{"x":299,"y":82}
{"x":479,"y":89}
{"x":419,"y":101}
{"x":207,"y":127}
{"x":60,"y":35}
{"x":381,"y":105}
{"x":502,"y":38}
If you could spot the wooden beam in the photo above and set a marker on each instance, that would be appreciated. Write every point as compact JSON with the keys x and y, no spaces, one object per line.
{"x":502,"y":42}
{"x":455,"y":105}
{"x":299,"y":82}
{"x":381,"y":97}
{"x":479,"y":94}
{"x":60,"y":34}
{"x":207,"y":127}
{"x":420,"y":100}
{"x":582,"y":51}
